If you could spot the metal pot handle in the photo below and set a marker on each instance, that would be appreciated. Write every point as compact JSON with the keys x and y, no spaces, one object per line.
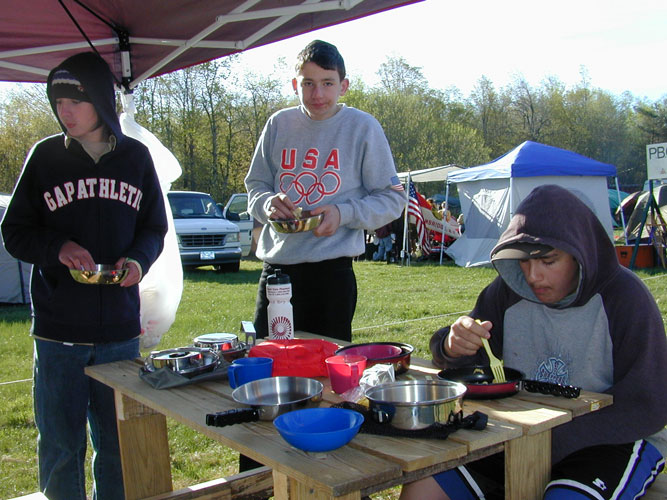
{"x":231,"y":417}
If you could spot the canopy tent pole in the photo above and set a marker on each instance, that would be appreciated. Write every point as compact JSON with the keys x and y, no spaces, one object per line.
{"x":444,"y":220}
{"x":405,"y":256}
{"x":649,"y":206}
{"x":620,"y":209}
{"x":511,"y":197}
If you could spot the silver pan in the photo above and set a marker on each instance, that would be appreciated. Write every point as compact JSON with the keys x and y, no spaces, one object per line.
{"x":268,"y":398}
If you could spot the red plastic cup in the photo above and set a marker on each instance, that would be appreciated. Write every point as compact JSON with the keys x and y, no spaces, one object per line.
{"x":345,"y":370}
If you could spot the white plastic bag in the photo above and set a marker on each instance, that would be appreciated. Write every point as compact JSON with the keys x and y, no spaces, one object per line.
{"x":161,"y":288}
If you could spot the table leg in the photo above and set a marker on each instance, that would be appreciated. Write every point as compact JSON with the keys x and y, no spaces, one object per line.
{"x":144,"y":449}
{"x":527,"y":466}
{"x":285,"y":488}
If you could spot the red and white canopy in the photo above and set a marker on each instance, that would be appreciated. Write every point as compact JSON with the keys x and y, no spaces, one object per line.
{"x":145,"y":38}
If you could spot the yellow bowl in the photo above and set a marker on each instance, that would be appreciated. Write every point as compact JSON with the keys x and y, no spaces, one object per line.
{"x":103,"y":274}
{"x":306,"y":223}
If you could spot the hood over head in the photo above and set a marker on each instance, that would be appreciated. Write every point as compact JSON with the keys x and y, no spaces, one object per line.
{"x":86,"y":77}
{"x":554,"y":217}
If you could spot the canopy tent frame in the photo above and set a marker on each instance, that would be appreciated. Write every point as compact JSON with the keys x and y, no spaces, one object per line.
{"x":247,"y":23}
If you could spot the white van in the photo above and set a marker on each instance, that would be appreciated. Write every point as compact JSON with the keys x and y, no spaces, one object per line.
{"x":236,"y":210}
{"x":205,"y":238}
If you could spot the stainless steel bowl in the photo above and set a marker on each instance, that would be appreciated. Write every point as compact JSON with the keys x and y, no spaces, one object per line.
{"x":306,"y":223}
{"x":416,"y":404}
{"x":102,"y":274}
{"x":186,"y":361}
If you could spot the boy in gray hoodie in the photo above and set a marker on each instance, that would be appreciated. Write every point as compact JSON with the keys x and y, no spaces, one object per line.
{"x":563,"y":310}
{"x":333,"y":160}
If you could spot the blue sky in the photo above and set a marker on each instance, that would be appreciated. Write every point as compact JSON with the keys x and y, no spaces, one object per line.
{"x":621,"y":44}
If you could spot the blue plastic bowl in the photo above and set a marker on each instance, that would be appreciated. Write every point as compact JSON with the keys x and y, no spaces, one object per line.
{"x":319,"y":429}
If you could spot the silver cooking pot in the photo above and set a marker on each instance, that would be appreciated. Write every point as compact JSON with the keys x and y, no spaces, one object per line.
{"x":226,"y":345}
{"x":416,"y":404}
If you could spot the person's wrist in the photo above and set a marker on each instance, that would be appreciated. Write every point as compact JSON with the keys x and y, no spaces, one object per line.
{"x":445,"y":348}
{"x":128,"y":260}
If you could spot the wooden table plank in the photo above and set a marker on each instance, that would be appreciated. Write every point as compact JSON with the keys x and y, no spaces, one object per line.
{"x":496,"y":432}
{"x":585,"y":403}
{"x":414,"y":453}
{"x":533,"y":418}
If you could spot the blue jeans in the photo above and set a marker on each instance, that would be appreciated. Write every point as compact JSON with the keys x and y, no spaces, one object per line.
{"x":65,"y":398}
{"x":384,"y":247}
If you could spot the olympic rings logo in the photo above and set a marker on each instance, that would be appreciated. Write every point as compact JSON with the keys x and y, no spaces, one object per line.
{"x":308,"y":186}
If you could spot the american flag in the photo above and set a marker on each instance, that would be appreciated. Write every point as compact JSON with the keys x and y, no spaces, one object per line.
{"x":396,"y":184}
{"x":415,"y":202}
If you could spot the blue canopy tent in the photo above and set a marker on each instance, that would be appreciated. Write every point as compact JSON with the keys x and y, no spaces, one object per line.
{"x":490,"y":193}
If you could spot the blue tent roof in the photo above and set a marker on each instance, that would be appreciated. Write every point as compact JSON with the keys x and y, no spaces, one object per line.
{"x":532,"y":159}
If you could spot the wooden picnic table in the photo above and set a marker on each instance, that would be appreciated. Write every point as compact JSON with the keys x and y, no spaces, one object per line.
{"x":520,"y":425}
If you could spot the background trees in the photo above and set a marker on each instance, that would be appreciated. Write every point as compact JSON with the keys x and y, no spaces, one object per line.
{"x":210,"y":116}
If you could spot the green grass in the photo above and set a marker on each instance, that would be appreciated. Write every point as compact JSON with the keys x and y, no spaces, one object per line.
{"x":401,"y":304}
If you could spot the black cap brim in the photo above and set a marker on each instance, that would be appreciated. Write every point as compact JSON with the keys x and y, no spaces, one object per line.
{"x":522,"y":251}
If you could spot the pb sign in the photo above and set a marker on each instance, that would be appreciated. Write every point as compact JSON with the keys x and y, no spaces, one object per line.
{"x":656,"y":161}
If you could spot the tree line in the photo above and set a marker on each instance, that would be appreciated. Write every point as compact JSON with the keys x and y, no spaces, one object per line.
{"x":210,"y":117}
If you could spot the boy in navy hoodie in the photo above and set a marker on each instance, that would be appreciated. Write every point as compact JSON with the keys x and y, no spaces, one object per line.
{"x":88,"y":196}
{"x":562,"y":309}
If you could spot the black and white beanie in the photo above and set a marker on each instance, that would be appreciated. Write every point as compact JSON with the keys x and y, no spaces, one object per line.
{"x":65,"y":85}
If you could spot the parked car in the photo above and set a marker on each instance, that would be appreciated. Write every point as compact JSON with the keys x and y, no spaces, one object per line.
{"x":236,"y":210}
{"x":205,"y":237}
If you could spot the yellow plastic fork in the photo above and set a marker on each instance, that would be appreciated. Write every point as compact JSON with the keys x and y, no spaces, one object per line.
{"x":496,"y":364}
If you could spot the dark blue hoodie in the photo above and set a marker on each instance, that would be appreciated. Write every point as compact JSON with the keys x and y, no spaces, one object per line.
{"x":113,"y":209}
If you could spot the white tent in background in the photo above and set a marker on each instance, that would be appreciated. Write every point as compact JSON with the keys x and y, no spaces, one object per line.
{"x":433,"y":174}
{"x":14,"y":274}
{"x":490,"y":193}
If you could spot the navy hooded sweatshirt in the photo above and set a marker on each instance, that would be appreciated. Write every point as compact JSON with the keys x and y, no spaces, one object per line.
{"x":113,"y":209}
{"x":607,"y":336}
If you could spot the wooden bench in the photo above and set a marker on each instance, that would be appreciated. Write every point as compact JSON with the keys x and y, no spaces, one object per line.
{"x":255,"y":483}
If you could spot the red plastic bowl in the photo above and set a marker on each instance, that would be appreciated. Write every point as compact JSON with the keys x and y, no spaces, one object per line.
{"x":374,"y":351}
{"x":393,"y":353}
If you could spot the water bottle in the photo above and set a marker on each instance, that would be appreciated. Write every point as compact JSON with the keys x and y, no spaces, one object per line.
{"x":279,"y":311}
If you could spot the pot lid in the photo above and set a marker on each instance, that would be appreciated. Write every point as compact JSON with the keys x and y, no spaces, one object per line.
{"x":217,"y":337}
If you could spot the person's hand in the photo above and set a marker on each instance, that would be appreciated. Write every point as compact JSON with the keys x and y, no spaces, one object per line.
{"x":465,"y":337}
{"x":281,"y":207}
{"x":133,"y":274}
{"x":74,"y":256}
{"x":331,"y":221}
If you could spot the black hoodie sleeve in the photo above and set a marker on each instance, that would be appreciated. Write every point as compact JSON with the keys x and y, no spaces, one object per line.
{"x":490,"y":306}
{"x":25,"y":235}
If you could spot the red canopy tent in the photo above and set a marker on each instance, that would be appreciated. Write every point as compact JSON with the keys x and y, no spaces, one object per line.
{"x":145,"y":38}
